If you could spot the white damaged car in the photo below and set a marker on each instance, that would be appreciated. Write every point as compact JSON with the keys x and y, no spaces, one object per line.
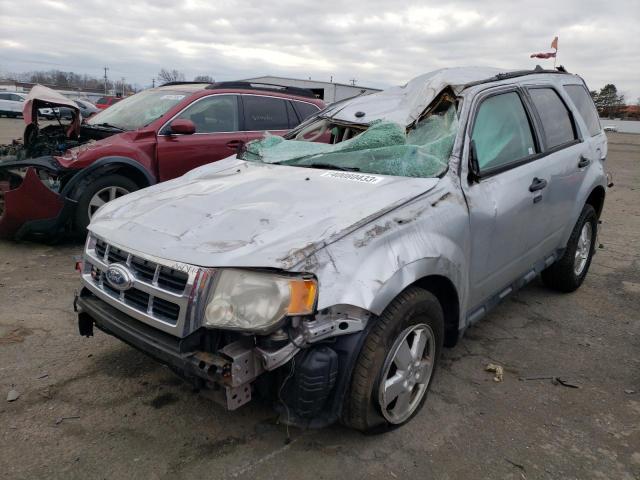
{"x":326,"y":270}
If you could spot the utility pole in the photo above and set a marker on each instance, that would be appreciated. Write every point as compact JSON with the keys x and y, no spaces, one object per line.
{"x":122,"y":87}
{"x":153,"y":82}
{"x":105,"y":79}
{"x":353,"y":81}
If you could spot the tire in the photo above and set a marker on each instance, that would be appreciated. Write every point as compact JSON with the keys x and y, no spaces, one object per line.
{"x":122,"y":186}
{"x":567,"y":274}
{"x":415,"y":309}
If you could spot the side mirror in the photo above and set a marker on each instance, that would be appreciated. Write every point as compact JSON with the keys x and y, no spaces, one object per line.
{"x":182,"y":127}
{"x":474,"y":167}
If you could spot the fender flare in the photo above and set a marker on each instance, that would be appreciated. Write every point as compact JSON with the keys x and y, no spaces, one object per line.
{"x":74,"y":187}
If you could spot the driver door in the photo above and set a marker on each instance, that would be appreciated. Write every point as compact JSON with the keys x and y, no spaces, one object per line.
{"x":217,"y":136}
{"x":507,"y":218}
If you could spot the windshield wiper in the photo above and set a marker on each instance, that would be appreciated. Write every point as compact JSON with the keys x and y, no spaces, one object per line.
{"x":105,"y":125}
{"x":330,"y":166}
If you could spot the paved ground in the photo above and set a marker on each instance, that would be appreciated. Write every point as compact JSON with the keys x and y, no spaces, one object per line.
{"x":95,"y":408}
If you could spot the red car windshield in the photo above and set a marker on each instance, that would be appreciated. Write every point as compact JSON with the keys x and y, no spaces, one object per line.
{"x":138,"y":110}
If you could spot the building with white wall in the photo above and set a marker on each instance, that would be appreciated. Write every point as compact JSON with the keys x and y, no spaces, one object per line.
{"x":328,"y":91}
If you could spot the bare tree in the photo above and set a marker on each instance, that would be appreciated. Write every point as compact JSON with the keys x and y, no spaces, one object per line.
{"x":166,"y":76}
{"x":203,"y":79}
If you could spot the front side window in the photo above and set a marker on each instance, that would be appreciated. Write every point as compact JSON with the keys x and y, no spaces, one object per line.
{"x":217,"y":113}
{"x":556,"y":122}
{"x":582,"y":100}
{"x":502,"y":132}
{"x":264,"y":113}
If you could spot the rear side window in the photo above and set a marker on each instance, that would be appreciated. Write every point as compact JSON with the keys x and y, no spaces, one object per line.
{"x":294,"y":121}
{"x":264,"y":113}
{"x":582,"y":100}
{"x":501,"y":132}
{"x":102,"y":101}
{"x":305,"y":110}
{"x":217,"y":113}
{"x":556,"y":122}
{"x":4,"y":96}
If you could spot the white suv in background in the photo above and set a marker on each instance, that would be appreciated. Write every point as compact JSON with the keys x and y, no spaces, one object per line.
{"x":11,"y":103}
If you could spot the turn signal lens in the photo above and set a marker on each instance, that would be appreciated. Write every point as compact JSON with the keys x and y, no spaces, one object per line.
{"x":302,"y":296}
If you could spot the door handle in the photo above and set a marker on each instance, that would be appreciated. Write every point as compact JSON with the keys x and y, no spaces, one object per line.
{"x":537,"y":184}
{"x":584,"y":162}
{"x":235,"y":143}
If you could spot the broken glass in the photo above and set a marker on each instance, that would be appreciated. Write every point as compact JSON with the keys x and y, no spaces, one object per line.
{"x":385,"y":148}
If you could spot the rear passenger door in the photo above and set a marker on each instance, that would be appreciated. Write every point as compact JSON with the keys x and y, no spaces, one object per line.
{"x":262,"y":113}
{"x":506,"y":216}
{"x":564,"y":159}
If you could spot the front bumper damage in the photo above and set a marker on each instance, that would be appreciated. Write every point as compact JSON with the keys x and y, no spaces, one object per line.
{"x":306,"y":377}
{"x":27,"y":204}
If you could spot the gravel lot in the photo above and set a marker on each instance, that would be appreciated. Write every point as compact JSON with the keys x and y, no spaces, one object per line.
{"x":96,"y":408}
{"x":13,"y":128}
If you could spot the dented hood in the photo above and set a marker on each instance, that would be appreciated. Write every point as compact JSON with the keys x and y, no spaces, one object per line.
{"x":41,"y":96}
{"x":237,"y":213}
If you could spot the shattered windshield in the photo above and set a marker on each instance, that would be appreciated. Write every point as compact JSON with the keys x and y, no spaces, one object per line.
{"x":138,"y":110}
{"x":384,"y":148}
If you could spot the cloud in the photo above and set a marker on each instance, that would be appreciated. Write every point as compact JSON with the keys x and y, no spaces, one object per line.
{"x":378,"y":43}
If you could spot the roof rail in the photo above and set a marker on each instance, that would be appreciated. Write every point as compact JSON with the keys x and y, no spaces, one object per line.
{"x":168,"y":84}
{"x":516,"y":74}
{"x":301,"y":92}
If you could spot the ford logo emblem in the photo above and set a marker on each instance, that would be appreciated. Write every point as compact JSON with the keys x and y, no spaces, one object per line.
{"x":119,"y":277}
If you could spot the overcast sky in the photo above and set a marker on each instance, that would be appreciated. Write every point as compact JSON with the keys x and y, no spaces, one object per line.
{"x":378,"y":43}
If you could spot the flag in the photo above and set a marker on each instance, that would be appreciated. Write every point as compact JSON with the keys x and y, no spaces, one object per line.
{"x":554,"y":44}
{"x":544,"y":55}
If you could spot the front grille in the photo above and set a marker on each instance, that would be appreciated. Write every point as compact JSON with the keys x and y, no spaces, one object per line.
{"x":145,"y":270}
{"x":172,"y":279}
{"x":159,"y":291}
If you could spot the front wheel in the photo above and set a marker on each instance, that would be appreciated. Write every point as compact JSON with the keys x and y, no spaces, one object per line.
{"x":396,"y":365}
{"x":97,"y":193}
{"x":568,"y":273}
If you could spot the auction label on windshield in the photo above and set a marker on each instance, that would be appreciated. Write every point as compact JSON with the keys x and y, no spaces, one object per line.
{"x":354,"y":177}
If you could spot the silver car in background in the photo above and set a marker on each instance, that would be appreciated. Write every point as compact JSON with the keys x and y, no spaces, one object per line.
{"x":327,"y":276}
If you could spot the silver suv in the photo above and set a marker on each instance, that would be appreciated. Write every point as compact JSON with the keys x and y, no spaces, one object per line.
{"x":326,"y":270}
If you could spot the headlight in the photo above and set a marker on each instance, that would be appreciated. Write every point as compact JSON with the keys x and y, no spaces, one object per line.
{"x":255,"y":301}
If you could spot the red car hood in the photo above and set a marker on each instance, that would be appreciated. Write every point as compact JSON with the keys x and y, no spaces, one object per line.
{"x":118,"y":145}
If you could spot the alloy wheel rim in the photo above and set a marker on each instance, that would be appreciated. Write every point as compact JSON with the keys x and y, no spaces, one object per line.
{"x":583,"y":248}
{"x":406,"y":374}
{"x":102,"y":196}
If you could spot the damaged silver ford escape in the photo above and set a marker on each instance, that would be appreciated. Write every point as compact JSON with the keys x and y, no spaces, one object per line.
{"x":326,"y":270}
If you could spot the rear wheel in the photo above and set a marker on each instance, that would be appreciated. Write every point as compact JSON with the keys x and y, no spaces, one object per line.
{"x":97,"y":193}
{"x":396,"y":365}
{"x":568,"y":273}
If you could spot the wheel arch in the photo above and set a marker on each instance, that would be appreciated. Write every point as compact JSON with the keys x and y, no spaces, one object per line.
{"x":446,"y":293}
{"x":596,"y":199}
{"x":107,"y":165}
